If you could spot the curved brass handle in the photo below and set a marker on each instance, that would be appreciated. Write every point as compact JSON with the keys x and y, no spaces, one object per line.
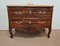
{"x":18,"y":12}
{"x":20,"y":22}
{"x":16,"y":22}
{"x":42,"y":12}
{"x":23,"y":12}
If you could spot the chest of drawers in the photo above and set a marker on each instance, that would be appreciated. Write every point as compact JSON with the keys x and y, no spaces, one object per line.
{"x":29,"y":17}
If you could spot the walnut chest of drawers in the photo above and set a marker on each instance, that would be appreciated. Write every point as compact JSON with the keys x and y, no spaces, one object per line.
{"x":30,"y":18}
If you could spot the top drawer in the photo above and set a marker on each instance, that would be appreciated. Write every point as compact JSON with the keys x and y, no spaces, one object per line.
{"x":30,"y":9}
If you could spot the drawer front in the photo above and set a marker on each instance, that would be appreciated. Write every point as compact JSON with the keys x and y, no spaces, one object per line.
{"x":13,"y":24}
{"x":13,"y":17}
{"x":41,"y":23}
{"x":41,"y":12}
{"x":31,"y":23}
{"x":35,"y":17}
{"x":30,"y":12}
{"x":19,"y":24}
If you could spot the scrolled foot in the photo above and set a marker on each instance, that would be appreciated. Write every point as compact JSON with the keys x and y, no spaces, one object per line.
{"x":48,"y":36}
{"x":11,"y":36}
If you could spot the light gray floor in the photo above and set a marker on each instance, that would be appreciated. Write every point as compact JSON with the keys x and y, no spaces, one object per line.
{"x":54,"y":40}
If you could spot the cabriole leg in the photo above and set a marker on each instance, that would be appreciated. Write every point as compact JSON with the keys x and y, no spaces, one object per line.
{"x":11,"y":34}
{"x":49,"y":32}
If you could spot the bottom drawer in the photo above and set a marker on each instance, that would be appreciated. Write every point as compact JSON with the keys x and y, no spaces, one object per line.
{"x":16,"y":24}
{"x":41,"y":25}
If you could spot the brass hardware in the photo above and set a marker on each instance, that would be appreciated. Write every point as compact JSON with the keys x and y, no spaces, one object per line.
{"x":42,"y":12}
{"x":20,"y":22}
{"x":30,"y":11}
{"x":29,"y":22}
{"x":22,"y":12}
{"x":18,"y":12}
{"x":16,"y":22}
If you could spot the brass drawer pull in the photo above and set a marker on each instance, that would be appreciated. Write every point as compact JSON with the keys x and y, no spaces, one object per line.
{"x":16,"y":22}
{"x":20,"y":22}
{"x":42,"y":12}
{"x":30,"y":11}
{"x":18,"y":12}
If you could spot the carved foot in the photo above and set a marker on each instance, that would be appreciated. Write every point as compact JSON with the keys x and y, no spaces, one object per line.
{"x":11,"y":36}
{"x":48,"y":36}
{"x":49,"y":32}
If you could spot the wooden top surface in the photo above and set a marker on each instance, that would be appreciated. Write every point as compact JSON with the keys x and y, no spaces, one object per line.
{"x":30,"y":5}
